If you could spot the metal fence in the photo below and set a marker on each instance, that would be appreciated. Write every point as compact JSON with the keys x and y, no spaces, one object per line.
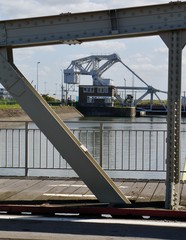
{"x":24,"y":150}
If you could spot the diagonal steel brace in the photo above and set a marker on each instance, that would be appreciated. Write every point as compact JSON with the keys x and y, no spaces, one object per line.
{"x":59,"y":134}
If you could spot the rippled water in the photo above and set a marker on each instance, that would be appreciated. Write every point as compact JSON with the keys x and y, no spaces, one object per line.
{"x":132,"y":147}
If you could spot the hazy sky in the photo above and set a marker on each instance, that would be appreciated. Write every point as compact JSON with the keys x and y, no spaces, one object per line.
{"x":147,"y":56}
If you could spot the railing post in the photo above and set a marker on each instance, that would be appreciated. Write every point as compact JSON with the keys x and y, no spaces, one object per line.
{"x":101,"y":145}
{"x":26,"y":149}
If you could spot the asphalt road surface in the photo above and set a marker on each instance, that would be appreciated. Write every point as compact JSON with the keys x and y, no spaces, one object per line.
{"x":75,"y":227}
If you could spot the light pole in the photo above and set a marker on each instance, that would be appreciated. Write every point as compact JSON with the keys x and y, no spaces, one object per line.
{"x":133,"y":85}
{"x":125,"y":87}
{"x":62,"y":89}
{"x":37,"y":76}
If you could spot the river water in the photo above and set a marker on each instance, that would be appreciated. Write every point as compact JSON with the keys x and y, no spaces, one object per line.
{"x":131,"y":147}
{"x":138,"y":151}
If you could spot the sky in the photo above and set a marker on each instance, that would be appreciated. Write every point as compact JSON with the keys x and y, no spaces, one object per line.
{"x":146,"y":56}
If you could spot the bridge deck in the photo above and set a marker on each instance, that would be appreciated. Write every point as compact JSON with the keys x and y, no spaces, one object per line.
{"x":46,"y":190}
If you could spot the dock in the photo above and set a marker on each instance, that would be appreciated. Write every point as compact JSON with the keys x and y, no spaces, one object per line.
{"x":46,"y":196}
{"x":42,"y":190}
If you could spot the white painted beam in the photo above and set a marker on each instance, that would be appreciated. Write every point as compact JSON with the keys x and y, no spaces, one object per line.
{"x":90,"y":26}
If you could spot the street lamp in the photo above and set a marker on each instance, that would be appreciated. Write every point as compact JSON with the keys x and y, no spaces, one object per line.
{"x":125,"y":86}
{"x":37,"y":76}
{"x":62,"y":88}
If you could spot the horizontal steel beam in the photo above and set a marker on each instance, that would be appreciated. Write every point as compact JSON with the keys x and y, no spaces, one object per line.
{"x":76,"y":28}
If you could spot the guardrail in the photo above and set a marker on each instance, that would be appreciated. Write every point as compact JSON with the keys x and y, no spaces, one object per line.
{"x":122,"y":152}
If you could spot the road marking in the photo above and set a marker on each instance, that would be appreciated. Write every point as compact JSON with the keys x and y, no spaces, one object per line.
{"x":68,"y":195}
{"x":75,"y":185}
{"x":68,"y":185}
{"x":123,"y":186}
{"x":73,"y":195}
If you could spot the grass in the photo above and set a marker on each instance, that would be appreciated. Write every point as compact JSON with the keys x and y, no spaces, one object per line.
{"x":11,"y":106}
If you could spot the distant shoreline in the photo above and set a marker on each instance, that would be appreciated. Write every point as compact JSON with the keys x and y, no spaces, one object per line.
{"x":64,"y":112}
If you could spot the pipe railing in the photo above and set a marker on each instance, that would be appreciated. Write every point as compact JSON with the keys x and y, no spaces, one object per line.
{"x":120,"y":150}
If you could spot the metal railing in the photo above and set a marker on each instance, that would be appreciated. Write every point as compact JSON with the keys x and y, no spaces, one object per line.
{"x":24,"y":150}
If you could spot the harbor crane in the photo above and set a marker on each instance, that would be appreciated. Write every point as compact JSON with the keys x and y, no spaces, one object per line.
{"x":91,"y":65}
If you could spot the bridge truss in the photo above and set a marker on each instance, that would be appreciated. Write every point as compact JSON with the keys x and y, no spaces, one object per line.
{"x":166,"y":20}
